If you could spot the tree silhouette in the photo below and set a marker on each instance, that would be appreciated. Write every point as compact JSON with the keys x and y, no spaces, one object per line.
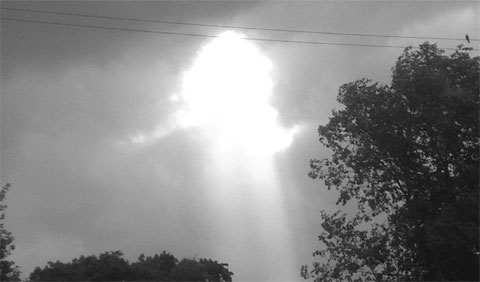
{"x":111,"y":266}
{"x":408,"y":156}
{"x":8,"y":270}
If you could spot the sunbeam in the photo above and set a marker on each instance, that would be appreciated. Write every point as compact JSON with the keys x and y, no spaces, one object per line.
{"x":226,"y":94}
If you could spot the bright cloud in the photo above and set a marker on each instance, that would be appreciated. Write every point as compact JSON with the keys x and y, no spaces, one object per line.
{"x":227,"y":92}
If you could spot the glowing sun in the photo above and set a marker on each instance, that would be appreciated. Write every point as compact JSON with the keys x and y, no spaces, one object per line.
{"x":227,"y":91}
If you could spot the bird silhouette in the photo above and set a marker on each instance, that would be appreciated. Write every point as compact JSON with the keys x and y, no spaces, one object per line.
{"x":467,"y":37}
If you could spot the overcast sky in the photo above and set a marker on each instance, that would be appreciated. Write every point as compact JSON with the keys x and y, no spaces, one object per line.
{"x":92,"y":144}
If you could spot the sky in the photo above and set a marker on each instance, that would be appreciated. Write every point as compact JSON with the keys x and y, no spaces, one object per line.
{"x":200,"y":146}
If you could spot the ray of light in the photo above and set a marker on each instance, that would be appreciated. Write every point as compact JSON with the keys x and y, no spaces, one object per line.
{"x":227,"y":93}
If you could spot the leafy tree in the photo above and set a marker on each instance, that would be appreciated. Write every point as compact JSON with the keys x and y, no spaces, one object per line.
{"x":156,"y":268}
{"x":8,"y":270}
{"x":202,"y":270}
{"x":215,"y":271}
{"x":407,"y":155}
{"x":110,"y":266}
{"x":188,"y":270}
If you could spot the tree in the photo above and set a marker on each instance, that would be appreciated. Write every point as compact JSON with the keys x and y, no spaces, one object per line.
{"x":8,"y":270}
{"x":407,"y":155}
{"x":108,"y":266}
{"x":215,"y":271}
{"x":156,"y":268}
{"x":202,"y":270}
{"x":111,"y":266}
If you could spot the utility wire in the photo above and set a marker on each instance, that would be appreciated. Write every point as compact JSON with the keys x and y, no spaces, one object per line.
{"x":206,"y":35}
{"x":234,"y":27}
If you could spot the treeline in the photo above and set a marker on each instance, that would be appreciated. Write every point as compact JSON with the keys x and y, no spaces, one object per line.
{"x":111,"y":266}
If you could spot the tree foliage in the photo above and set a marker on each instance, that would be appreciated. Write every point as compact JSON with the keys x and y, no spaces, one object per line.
{"x":8,"y":270}
{"x":407,"y":154}
{"x":111,"y":266}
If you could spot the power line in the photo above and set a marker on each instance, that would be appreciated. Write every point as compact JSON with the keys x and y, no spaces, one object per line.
{"x":106,"y":27}
{"x":234,"y":27}
{"x":206,"y":35}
